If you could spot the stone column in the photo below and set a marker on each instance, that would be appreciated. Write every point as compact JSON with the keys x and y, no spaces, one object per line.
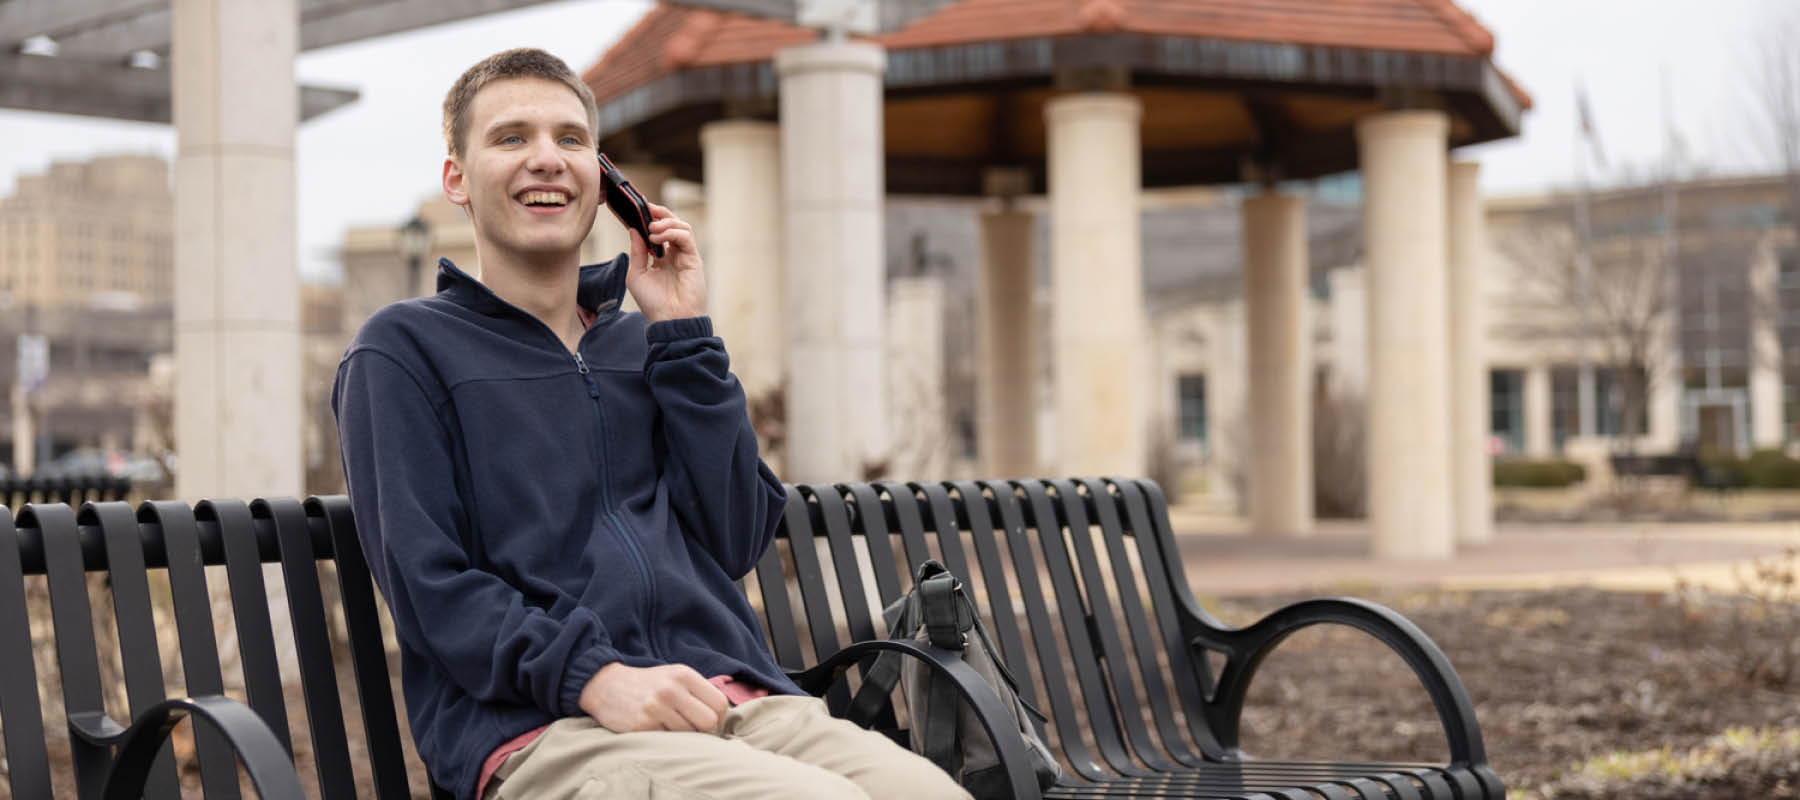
{"x":1349,"y":329}
{"x":24,"y":448}
{"x":915,"y":369}
{"x":1281,"y":365}
{"x":1098,"y":326}
{"x":833,"y":186}
{"x":1766,"y":410}
{"x":1008,"y":366}
{"x":1470,"y":418}
{"x":1539,"y":438}
{"x":237,"y":307}
{"x":1402,"y":157}
{"x":742,"y":164}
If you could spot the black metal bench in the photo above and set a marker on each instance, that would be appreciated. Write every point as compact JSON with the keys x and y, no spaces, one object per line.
{"x":1135,"y":709}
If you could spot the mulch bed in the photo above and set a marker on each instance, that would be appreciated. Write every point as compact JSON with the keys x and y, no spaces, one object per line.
{"x":1580,"y":693}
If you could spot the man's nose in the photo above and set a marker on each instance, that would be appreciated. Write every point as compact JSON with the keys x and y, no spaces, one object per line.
{"x":544,"y":156}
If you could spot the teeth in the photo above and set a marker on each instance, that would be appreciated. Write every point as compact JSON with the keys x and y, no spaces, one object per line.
{"x":554,"y":198}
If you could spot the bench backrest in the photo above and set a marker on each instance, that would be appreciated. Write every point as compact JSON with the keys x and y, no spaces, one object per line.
{"x":1093,"y":615}
{"x":168,"y":545}
{"x":1078,"y":578}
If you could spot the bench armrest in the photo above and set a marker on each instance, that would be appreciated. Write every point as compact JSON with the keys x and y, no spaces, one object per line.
{"x":270,"y":767}
{"x":995,"y":720}
{"x":1245,"y":648}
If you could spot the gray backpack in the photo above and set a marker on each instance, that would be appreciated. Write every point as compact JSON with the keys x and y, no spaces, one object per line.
{"x":938,"y":612}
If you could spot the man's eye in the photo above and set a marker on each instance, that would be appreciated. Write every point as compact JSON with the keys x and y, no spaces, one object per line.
{"x":511,"y":139}
{"x":572,"y":140}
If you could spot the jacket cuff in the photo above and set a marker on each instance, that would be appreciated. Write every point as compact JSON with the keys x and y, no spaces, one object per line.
{"x":670,"y":330}
{"x":581,"y":669}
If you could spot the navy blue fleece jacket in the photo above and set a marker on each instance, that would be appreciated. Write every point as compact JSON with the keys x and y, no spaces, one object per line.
{"x":533,"y":514}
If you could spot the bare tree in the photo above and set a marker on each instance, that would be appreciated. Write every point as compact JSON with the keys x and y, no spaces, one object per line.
{"x":1621,"y":305}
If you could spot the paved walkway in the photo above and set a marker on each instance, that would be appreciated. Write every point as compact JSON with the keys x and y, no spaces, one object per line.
{"x":1223,"y":559}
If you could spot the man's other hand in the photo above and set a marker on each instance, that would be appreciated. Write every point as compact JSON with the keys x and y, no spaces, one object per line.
{"x":671,"y":697}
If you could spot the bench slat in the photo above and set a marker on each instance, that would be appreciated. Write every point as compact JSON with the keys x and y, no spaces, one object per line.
{"x":903,"y":503}
{"x":871,"y":521}
{"x":236,"y":532}
{"x":138,"y":650}
{"x":77,"y":661}
{"x":836,"y":515}
{"x":810,"y":574}
{"x":312,"y":645}
{"x":1193,"y":678}
{"x":1037,"y":616}
{"x":980,"y":525}
{"x":27,"y":757}
{"x":784,"y":637}
{"x":362,"y":620}
{"x":194,"y":630}
{"x":1112,"y":534}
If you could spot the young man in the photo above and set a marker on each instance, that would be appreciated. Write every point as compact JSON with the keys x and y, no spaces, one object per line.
{"x":556,"y":497}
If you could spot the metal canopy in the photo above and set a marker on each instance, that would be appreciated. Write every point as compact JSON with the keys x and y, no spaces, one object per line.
{"x":95,"y":41}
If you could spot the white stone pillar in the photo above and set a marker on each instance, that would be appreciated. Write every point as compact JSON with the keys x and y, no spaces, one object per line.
{"x":915,"y":341}
{"x":833,"y":186}
{"x":1007,"y":374}
{"x":1281,"y":365}
{"x":237,"y":307}
{"x":1766,"y":409}
{"x":1403,"y":164}
{"x":1097,"y":289}
{"x":742,"y":164}
{"x":24,"y":449}
{"x":1349,"y":330}
{"x":1470,"y":418}
{"x":1539,"y":439}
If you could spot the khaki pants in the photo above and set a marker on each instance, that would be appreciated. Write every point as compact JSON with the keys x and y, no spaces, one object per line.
{"x":775,"y":747}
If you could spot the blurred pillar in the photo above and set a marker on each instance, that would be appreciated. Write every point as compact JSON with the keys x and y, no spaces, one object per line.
{"x":1403,"y":164}
{"x":1469,"y":393}
{"x":1766,"y":410}
{"x":1281,"y":365}
{"x":915,"y":378}
{"x":1007,"y":374}
{"x":24,"y":433}
{"x":1538,"y":440}
{"x":237,"y":286}
{"x":741,"y":160}
{"x":1098,"y":327}
{"x":832,"y":187}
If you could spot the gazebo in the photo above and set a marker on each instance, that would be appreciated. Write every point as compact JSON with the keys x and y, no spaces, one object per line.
{"x":798,"y":137}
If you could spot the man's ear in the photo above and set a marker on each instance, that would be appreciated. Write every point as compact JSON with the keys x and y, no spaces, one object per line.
{"x":454,"y":189}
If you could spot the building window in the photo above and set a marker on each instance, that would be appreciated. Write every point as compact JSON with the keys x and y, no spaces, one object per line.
{"x":1190,"y":397}
{"x":1506,"y":399}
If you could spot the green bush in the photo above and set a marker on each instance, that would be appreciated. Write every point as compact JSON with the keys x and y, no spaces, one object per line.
{"x":1772,"y":469}
{"x":1538,"y":474}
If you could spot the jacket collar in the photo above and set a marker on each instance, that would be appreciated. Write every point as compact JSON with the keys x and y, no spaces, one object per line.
{"x":602,"y":288}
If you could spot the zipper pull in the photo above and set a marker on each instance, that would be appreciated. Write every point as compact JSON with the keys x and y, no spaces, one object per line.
{"x":580,"y":365}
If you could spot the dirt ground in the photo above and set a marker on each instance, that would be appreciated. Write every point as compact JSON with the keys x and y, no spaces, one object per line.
{"x":1580,"y":693}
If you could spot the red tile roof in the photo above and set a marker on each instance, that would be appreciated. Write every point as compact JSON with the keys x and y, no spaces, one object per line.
{"x":670,"y":38}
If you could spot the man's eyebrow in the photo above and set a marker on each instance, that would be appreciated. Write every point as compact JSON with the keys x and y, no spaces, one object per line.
{"x":510,"y":124}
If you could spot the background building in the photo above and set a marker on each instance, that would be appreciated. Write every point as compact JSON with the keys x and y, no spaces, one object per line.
{"x":87,"y":269}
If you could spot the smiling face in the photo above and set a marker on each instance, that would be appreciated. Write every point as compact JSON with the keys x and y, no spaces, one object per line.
{"x":527,"y":173}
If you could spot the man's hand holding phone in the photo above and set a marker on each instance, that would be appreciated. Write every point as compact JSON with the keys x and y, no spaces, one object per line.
{"x":665,"y":275}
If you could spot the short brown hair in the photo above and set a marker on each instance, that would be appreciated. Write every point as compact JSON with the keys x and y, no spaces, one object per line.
{"x":523,"y":62}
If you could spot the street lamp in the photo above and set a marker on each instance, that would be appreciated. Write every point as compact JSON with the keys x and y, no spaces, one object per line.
{"x":415,"y":241}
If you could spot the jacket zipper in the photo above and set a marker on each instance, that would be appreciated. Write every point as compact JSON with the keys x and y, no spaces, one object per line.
{"x":631,"y":544}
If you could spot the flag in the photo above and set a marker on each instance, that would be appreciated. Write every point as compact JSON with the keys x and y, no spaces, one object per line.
{"x":1586,"y":119}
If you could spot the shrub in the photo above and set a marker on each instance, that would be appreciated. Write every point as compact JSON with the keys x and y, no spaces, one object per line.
{"x":1772,"y":469}
{"x":1538,"y":473}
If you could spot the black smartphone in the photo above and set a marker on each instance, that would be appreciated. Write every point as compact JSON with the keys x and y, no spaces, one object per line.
{"x":626,"y":202}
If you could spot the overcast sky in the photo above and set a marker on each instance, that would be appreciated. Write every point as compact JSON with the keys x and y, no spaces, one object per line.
{"x":372,"y":162}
